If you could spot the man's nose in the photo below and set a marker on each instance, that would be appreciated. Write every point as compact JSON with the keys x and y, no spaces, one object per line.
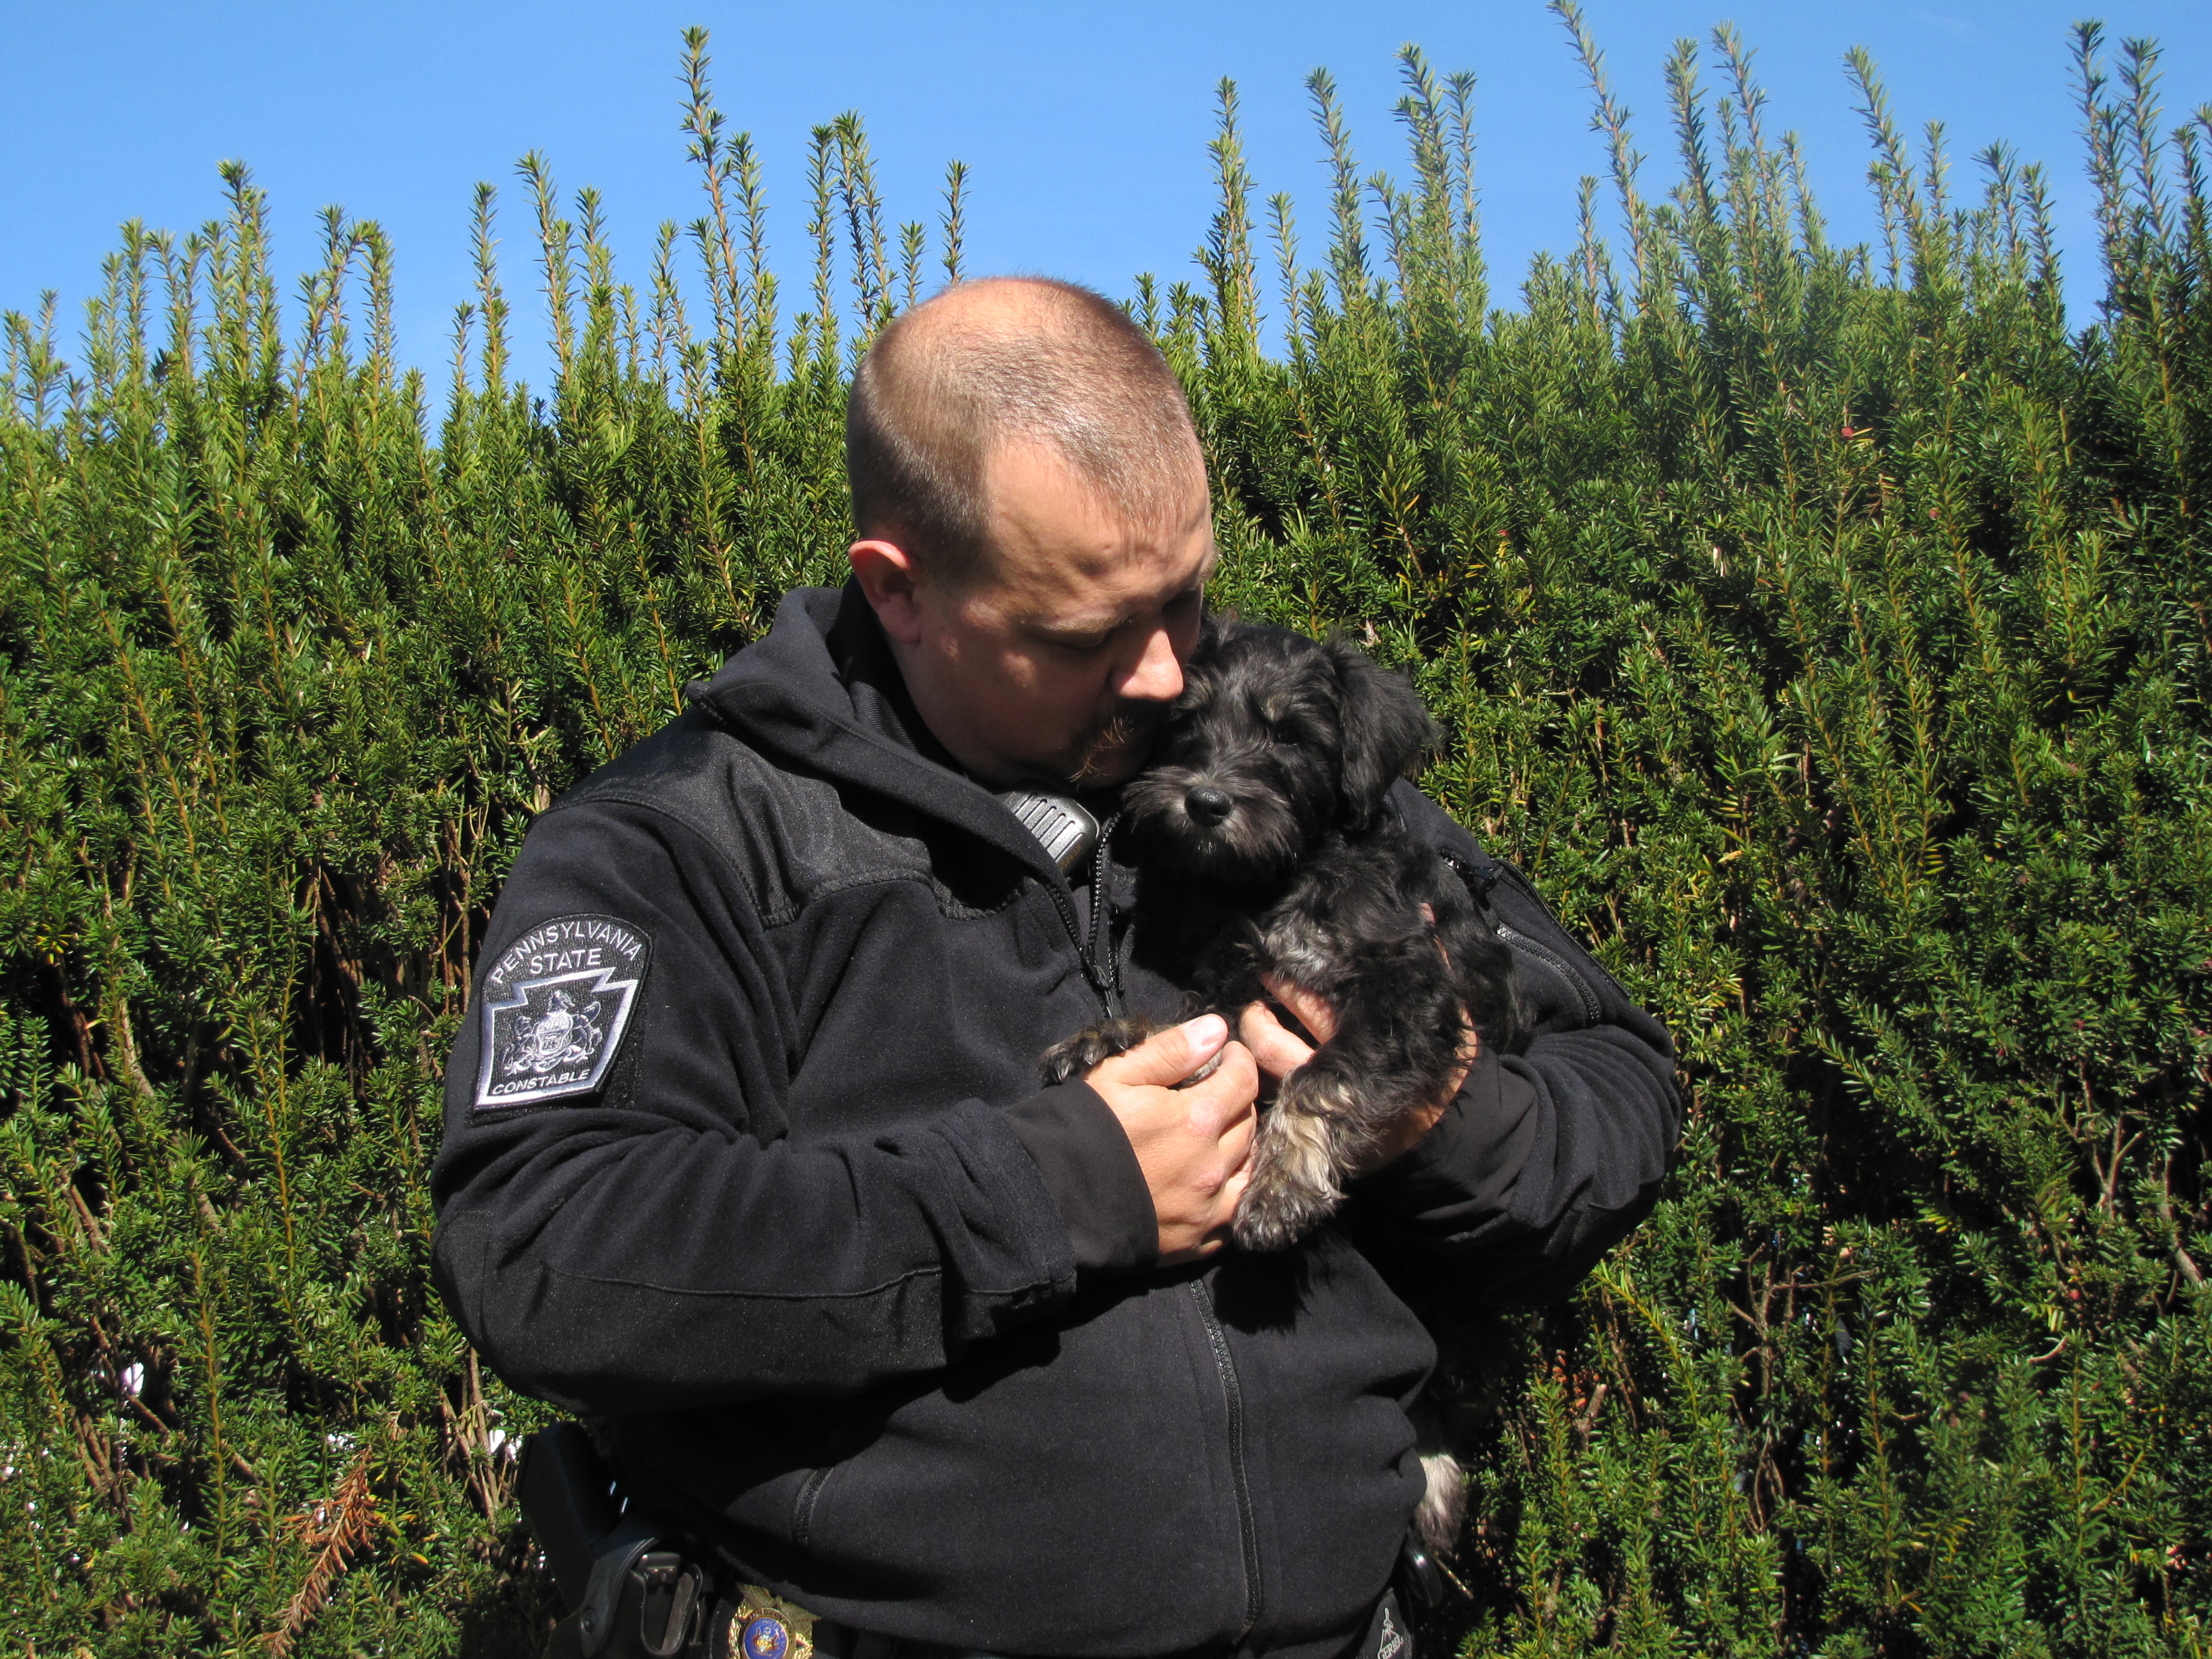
{"x":1157,"y":677}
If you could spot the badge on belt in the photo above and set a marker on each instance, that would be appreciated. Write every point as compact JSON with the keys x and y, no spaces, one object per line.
{"x":757,"y":1624}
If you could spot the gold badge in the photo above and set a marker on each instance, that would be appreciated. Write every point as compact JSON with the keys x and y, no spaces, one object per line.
{"x":760,"y":1625}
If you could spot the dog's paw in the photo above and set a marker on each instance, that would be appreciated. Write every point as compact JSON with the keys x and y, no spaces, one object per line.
{"x":1073,"y":1057}
{"x":1293,"y":1187}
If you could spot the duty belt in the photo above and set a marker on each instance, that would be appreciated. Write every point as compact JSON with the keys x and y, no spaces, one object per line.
{"x":639,"y":1590}
{"x":1388,"y":1635}
{"x":662,"y":1605}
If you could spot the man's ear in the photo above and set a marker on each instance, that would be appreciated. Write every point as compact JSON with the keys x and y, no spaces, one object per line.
{"x":1386,"y":730}
{"x":891,"y":580}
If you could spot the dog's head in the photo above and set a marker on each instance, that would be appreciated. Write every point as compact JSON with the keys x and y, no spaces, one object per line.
{"x":1275,"y":741}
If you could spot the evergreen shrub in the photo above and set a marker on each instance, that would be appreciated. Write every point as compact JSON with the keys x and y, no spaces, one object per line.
{"x":1825,"y":629}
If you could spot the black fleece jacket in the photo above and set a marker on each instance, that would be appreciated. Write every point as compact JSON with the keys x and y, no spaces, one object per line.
{"x":745,"y":1154}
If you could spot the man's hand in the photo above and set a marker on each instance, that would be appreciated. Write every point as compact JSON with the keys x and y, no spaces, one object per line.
{"x":1193,"y":1145}
{"x":1280,"y":1052}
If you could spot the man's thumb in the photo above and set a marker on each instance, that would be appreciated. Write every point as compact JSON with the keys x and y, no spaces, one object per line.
{"x":1170,"y":1056}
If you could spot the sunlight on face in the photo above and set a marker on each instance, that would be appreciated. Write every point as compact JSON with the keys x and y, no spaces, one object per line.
{"x":1057,"y":662}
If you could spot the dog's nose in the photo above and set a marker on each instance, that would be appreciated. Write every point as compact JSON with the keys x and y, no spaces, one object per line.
{"x":1207,"y":805}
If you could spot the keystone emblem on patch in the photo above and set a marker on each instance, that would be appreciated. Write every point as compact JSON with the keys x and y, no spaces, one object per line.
{"x":555,"y":1005}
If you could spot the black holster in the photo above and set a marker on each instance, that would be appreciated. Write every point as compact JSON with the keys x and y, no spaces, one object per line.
{"x":633,"y":1590}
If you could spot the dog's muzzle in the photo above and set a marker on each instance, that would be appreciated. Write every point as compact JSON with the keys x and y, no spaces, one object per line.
{"x":1208,"y":807}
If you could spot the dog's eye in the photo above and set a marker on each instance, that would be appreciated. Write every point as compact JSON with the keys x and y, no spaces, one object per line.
{"x":1288,"y":737}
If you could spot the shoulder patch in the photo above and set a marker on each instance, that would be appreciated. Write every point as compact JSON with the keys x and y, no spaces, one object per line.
{"x":556,"y":1004}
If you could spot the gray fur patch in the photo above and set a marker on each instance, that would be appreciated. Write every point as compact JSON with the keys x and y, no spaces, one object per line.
{"x":1443,"y":1510}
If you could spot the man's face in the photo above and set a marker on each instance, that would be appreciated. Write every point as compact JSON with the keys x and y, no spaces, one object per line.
{"x":1056,"y":662}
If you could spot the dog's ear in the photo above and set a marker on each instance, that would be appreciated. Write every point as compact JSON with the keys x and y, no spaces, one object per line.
{"x":1386,"y":730}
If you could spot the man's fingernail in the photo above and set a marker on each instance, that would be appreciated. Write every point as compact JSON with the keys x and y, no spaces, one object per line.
{"x":1206,"y":1033}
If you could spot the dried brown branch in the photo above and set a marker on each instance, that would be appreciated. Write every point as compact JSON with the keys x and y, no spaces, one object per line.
{"x":332,"y":1530}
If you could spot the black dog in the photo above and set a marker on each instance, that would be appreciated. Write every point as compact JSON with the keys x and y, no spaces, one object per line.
{"x":1264,"y":847}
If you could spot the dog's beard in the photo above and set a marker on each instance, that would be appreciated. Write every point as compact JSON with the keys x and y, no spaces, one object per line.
{"x":1114,"y":745}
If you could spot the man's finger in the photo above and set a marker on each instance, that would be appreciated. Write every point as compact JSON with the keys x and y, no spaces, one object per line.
{"x":1237,"y":1147}
{"x":1166,"y":1058}
{"x":1278,"y":1051}
{"x":1314,"y":1013}
{"x":1226,"y":1097}
{"x":1232,"y":1190}
{"x":1225,"y":1106}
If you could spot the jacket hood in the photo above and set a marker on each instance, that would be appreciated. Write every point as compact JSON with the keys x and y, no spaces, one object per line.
{"x":822,"y":692}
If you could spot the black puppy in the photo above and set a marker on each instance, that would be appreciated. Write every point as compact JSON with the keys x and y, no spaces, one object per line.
{"x":1264,"y":846}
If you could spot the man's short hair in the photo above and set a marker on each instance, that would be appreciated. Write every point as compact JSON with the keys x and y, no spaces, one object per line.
{"x":947,"y":384}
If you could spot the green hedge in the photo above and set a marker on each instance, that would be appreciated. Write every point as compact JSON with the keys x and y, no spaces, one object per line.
{"x":1825,"y":629}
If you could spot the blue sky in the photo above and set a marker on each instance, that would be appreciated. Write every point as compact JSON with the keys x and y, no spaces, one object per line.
{"x":1084,"y":127}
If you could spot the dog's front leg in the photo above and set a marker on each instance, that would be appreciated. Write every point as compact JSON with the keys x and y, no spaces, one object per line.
{"x":1299,"y":1156}
{"x":1073,"y":1057}
{"x":1395,"y":1045}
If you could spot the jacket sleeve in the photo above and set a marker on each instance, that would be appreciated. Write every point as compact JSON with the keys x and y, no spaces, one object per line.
{"x":658,"y":1242}
{"x":1548,"y":1157}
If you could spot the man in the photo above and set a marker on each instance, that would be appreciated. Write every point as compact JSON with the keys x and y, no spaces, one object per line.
{"x":746,"y":1157}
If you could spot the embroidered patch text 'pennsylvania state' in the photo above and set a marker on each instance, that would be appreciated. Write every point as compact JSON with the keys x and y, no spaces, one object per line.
{"x":555,"y":1007}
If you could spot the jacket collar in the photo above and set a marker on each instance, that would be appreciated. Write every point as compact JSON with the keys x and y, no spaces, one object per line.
{"x":822,"y":692}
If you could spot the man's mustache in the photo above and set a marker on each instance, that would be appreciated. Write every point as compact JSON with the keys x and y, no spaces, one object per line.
{"x":1128,"y":726}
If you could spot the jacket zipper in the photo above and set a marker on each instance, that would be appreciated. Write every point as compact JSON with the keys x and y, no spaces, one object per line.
{"x":1592,"y":1009}
{"x":1233,"y":1394}
{"x":1090,"y":973}
{"x":1102,"y":976}
{"x":1102,"y":920}
{"x":1478,"y":883}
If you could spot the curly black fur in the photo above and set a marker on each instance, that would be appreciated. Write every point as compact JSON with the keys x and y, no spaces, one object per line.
{"x":1263,"y":847}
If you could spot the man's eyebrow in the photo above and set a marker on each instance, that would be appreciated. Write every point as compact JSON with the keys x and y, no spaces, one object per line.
{"x":1082,"y":628}
{"x":1107,"y":622}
